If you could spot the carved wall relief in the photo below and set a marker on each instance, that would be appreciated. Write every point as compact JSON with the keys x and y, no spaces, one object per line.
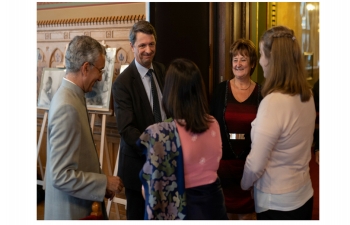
{"x":56,"y":58}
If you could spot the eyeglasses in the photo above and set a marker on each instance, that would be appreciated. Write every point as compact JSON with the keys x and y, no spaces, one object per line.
{"x":100,"y":70}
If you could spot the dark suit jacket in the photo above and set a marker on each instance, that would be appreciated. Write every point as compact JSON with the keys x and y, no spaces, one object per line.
{"x":134,"y":115}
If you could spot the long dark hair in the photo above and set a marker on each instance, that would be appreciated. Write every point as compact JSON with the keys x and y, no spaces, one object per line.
{"x":184,"y":96}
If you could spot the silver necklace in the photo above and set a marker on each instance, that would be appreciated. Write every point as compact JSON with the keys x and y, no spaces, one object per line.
{"x":234,"y":82}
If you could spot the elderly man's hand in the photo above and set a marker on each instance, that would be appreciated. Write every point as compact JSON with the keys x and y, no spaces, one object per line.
{"x":114,"y":185}
{"x":109,"y":194}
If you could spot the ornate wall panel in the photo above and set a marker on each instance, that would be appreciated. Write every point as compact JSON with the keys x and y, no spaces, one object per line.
{"x":53,"y":37}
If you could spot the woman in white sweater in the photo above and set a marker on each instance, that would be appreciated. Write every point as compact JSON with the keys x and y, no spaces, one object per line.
{"x":277,"y":168}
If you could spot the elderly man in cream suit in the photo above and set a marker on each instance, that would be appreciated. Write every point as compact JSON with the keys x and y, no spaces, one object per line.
{"x":73,"y":176}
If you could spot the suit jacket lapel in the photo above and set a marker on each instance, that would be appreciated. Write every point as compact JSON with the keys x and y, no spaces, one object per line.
{"x":157,"y":71}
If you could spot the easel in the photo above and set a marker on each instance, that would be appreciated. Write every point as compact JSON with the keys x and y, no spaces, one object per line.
{"x":103,"y":144}
{"x":116,"y":199}
{"x":103,"y":148}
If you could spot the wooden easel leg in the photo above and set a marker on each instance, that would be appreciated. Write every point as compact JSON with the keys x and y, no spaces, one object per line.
{"x":104,"y":149}
{"x":107,"y":155}
{"x":103,"y":144}
{"x":41,"y":133}
{"x":92,"y":122}
{"x":42,"y":130}
{"x":115,"y":199}
{"x":103,"y":131}
{"x":41,"y":182}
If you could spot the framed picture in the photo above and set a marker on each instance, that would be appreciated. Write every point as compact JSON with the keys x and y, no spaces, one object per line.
{"x":99,"y":98}
{"x":51,"y":80}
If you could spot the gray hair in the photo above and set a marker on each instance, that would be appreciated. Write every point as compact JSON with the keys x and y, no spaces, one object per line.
{"x":82,"y":49}
{"x":143,"y":27}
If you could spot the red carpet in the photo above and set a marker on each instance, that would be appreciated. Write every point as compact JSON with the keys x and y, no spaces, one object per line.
{"x":314,"y":173}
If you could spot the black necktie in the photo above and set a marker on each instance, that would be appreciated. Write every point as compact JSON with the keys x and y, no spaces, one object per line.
{"x":156,"y":109}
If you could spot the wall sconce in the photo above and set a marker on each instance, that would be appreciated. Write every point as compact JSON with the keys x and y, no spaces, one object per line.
{"x":310,"y":7}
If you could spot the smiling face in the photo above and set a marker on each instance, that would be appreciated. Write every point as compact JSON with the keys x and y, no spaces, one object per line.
{"x":144,"y":49}
{"x":241,"y":65}
{"x":263,"y":61}
{"x":94,"y":73}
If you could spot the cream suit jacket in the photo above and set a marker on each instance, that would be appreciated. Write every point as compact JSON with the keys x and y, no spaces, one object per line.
{"x":73,"y":177}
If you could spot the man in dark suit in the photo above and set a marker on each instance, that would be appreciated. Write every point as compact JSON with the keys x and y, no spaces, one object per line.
{"x":133,"y":105}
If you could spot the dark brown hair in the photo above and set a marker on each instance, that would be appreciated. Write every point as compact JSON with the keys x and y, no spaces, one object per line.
{"x":184,"y":96}
{"x":286,"y":70}
{"x":143,"y":27}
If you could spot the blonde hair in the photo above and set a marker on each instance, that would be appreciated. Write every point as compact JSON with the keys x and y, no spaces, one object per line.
{"x":286,"y":70}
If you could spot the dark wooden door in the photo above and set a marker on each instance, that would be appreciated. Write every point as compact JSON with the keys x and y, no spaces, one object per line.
{"x":183,"y":32}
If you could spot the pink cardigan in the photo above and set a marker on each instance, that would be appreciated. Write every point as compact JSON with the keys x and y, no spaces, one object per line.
{"x":282,"y":134}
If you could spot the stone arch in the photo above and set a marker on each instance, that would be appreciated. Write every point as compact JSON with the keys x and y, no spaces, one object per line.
{"x":121,"y":57}
{"x":56,"y":58}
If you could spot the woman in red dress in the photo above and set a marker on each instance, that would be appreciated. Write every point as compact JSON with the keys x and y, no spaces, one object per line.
{"x":234,"y":105}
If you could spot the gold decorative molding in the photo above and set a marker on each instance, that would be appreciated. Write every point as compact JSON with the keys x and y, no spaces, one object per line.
{"x":61,"y":5}
{"x":91,"y":21}
{"x":273,"y":14}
